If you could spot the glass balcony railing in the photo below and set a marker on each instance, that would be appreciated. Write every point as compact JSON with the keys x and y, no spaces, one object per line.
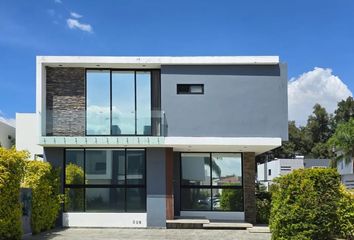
{"x":103,"y":123}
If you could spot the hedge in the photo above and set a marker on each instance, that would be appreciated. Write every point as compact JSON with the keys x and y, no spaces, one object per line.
{"x":263,"y":204}
{"x":11,"y":173}
{"x":345,"y":214}
{"x":46,"y":199}
{"x":305,"y":205}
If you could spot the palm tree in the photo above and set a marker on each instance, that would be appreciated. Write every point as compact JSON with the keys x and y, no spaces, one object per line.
{"x":343,"y":141}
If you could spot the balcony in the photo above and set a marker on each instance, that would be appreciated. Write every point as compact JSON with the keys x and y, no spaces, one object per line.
{"x":104,"y":128}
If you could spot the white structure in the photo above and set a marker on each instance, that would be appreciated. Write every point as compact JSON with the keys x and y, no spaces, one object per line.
{"x":266,"y":172}
{"x":7,"y":135}
{"x":27,"y":134}
{"x":346,"y":170}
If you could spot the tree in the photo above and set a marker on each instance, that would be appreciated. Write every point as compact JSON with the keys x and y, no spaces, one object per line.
{"x":318,"y":131}
{"x":345,"y":111}
{"x":343,"y":140}
{"x":318,"y":124}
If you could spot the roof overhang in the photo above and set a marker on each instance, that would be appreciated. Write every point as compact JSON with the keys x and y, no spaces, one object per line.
{"x":152,"y":61}
{"x":183,"y":144}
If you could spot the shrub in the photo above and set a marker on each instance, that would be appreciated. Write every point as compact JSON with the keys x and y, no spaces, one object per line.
{"x":304,"y":204}
{"x":11,"y":173}
{"x":263,"y":204}
{"x":45,"y":184}
{"x":74,"y":198}
{"x":346,"y":214}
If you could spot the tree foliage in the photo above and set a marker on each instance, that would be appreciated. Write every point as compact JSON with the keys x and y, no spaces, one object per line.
{"x":11,"y":173}
{"x":343,"y":140}
{"x":312,"y":140}
{"x":305,"y":204}
{"x":44,"y":181}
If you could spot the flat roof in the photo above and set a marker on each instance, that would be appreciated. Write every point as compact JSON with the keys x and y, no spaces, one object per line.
{"x":153,"y":61}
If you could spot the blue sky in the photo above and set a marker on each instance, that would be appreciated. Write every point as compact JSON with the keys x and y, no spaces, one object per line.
{"x":305,"y":34}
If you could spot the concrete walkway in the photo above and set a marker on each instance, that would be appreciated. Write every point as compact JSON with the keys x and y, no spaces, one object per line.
{"x":148,"y":234}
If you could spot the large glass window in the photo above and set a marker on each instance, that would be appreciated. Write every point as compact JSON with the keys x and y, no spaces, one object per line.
{"x":105,"y":180}
{"x":135,"y":166}
{"x":98,"y":116}
{"x":195,"y":168}
{"x":143,"y":103}
{"x":123,"y":103}
{"x":226,"y":169}
{"x":211,"y":182}
{"x":118,"y":102}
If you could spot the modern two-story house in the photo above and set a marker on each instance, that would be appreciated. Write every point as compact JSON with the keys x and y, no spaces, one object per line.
{"x":141,"y":140}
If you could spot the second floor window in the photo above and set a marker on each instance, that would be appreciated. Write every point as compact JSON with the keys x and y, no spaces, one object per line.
{"x":118,"y":102}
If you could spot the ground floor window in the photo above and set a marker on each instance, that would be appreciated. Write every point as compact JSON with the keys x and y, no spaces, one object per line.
{"x":211,"y":182}
{"x":105,"y":180}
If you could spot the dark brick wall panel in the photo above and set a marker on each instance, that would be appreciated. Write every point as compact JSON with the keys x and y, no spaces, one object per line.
{"x":65,"y":101}
{"x":249,"y":176}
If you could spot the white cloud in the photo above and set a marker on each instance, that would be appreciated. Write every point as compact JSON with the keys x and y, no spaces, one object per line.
{"x":75,"y":24}
{"x":316,"y":86}
{"x":75,"y":15}
{"x":58,"y":1}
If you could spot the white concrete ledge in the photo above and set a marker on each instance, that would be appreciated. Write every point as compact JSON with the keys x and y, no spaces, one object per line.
{"x":153,"y":61}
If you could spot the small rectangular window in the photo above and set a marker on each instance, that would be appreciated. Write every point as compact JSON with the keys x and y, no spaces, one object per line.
{"x":190,"y":88}
{"x":269,"y":172}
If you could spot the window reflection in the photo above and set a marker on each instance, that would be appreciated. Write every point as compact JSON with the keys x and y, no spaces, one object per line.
{"x":226,"y":169}
{"x":143,"y":103}
{"x":105,"y":180}
{"x":195,"y":168}
{"x":135,"y":166}
{"x":105,"y":200}
{"x":98,"y":120}
{"x":74,"y":169}
{"x":211,"y":181}
{"x":118,"y":102}
{"x":196,"y":199}
{"x":123,"y":103}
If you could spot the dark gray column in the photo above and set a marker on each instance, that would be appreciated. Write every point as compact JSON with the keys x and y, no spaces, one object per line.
{"x":156,"y":187}
{"x":249,"y":177}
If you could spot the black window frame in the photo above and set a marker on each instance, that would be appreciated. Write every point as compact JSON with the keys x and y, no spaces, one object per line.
{"x":151,"y":70}
{"x":187,"y":85}
{"x":210,"y":186}
{"x":125,"y":186}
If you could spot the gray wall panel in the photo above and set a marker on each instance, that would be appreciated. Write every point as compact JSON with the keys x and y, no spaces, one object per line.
{"x":156,"y":187}
{"x":238,"y":101}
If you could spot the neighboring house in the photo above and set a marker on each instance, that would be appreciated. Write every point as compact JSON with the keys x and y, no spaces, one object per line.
{"x":7,"y":135}
{"x":317,"y":163}
{"x":159,"y":137}
{"x":27,"y":135}
{"x":346,"y":170}
{"x":267,"y":171}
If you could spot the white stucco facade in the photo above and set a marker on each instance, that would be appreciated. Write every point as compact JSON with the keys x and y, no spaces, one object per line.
{"x":7,"y":135}
{"x":27,"y":134}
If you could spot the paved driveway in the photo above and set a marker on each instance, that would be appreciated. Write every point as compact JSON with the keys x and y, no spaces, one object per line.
{"x":148,"y":234}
